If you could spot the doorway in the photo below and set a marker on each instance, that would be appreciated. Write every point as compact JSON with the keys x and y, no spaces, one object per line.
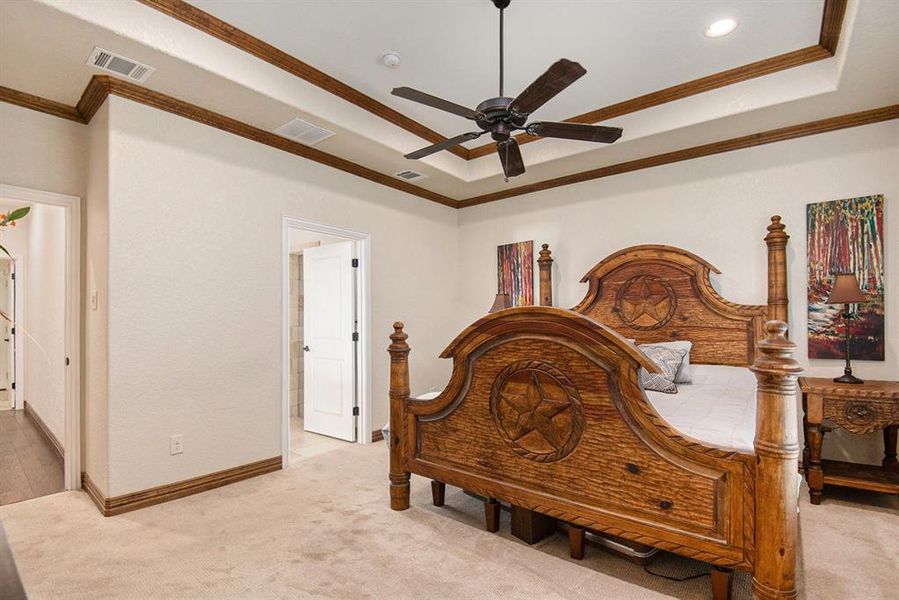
{"x":7,"y":331}
{"x":47,"y":287}
{"x":325,"y":346}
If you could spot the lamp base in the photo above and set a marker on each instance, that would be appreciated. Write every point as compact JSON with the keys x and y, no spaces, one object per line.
{"x":847,"y":378}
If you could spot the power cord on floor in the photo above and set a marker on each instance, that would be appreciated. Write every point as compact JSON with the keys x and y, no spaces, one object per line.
{"x":669,"y":578}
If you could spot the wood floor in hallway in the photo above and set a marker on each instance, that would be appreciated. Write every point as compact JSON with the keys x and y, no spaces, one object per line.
{"x":29,"y":466}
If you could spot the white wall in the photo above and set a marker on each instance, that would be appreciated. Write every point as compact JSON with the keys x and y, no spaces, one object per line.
{"x":95,"y":425}
{"x":45,"y":316}
{"x":717,"y":207}
{"x":195,"y":267}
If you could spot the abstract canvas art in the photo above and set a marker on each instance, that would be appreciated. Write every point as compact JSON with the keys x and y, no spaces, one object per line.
{"x":515,"y":272}
{"x":845,"y":236}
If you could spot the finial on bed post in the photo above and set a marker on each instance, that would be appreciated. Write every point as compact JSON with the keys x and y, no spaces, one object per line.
{"x":777,"y":452}
{"x":545,"y":262}
{"x":399,"y":394}
{"x":777,"y":269}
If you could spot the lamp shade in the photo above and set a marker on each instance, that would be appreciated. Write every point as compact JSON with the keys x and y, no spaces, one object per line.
{"x":501,"y":302}
{"x":845,"y":290}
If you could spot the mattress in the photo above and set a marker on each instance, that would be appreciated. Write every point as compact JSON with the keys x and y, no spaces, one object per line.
{"x":718,"y":408}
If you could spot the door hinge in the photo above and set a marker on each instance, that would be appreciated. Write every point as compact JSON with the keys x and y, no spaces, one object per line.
{"x":355,"y":411}
{"x":67,"y":361}
{"x":13,"y":331}
{"x":355,"y":262}
{"x":13,"y":385}
{"x":12,"y":276}
{"x":355,"y":336}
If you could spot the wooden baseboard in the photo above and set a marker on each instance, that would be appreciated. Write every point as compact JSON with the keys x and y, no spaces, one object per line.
{"x":377,"y":435}
{"x":172,"y":491}
{"x":42,"y":427}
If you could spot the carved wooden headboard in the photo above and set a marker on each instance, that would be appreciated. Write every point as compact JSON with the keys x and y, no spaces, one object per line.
{"x":655,"y":293}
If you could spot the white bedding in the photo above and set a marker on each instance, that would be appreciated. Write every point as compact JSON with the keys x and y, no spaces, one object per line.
{"x":718,"y":408}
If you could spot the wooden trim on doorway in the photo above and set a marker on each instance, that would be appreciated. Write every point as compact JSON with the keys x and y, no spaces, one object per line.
{"x":172,"y":491}
{"x":45,"y":431}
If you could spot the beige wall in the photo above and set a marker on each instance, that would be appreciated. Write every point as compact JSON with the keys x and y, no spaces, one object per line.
{"x":42,"y":152}
{"x":717,"y":207}
{"x":195,"y":268}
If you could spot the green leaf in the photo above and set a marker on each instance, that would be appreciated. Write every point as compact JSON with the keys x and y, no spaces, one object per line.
{"x":5,"y":251}
{"x":18,"y":213}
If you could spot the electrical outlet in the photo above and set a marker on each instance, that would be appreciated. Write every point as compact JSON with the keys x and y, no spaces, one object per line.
{"x":176,"y":443}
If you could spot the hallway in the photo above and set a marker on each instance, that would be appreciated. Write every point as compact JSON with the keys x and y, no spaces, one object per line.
{"x":29,"y":465}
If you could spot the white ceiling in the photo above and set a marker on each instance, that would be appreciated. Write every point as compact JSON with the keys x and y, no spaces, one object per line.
{"x":44,"y":45}
{"x":450,"y":49}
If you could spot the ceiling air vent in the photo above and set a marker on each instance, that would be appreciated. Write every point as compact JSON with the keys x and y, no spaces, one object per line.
{"x":118,"y":64}
{"x":409,"y":175}
{"x":303,"y":132}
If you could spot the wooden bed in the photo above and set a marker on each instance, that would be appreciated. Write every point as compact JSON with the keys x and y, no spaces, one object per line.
{"x":545,"y":411}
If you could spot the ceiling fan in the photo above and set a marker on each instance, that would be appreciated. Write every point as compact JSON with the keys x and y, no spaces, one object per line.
{"x":502,"y":116}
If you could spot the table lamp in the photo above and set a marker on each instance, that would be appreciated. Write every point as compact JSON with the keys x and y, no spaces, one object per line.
{"x":845,"y":291}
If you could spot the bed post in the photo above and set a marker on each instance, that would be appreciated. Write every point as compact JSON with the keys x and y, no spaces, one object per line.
{"x":777,"y":451}
{"x":399,"y":393}
{"x":545,"y":262}
{"x":777,"y":270}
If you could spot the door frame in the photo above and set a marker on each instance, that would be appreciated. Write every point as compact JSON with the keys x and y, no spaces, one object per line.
{"x":17,"y":349}
{"x":72,"y":434}
{"x":363,"y":348}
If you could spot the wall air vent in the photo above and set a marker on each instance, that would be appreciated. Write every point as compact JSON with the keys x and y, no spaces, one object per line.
{"x":303,"y":132}
{"x":409,"y":175}
{"x":119,"y":65}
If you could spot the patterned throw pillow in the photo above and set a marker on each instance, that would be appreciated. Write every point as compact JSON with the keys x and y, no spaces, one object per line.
{"x":669,"y":360}
{"x":684,"y":373}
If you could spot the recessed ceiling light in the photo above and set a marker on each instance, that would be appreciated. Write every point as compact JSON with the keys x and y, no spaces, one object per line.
{"x":720,"y":28}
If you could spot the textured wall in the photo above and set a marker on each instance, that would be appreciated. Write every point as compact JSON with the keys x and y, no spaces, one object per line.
{"x":717,"y":207}
{"x":195,"y":289}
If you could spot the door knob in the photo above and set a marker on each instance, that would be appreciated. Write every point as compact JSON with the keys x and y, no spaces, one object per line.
{"x":306,"y":348}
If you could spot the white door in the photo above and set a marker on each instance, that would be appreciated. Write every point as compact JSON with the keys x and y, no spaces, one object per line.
{"x":329,"y":351}
{"x":7,"y":364}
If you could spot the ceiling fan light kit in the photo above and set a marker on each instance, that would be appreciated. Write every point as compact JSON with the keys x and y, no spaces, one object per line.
{"x":502,"y":116}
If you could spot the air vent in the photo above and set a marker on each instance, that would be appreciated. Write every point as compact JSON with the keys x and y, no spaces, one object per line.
{"x":303,"y":132}
{"x":409,"y":175}
{"x":119,"y":65}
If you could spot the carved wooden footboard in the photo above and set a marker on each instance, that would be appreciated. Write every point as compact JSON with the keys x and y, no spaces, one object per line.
{"x":545,"y":411}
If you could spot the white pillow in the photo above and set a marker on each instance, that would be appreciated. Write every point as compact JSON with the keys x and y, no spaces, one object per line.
{"x":684,"y":373}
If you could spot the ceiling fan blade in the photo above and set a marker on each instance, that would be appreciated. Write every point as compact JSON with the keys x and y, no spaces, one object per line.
{"x":510,"y":156}
{"x":428,"y":150}
{"x":575,"y":131}
{"x":434,"y":102}
{"x":558,"y":77}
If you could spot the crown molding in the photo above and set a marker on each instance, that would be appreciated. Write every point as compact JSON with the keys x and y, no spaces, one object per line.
{"x":831,"y":24}
{"x":865,"y":117}
{"x":209,"y":24}
{"x":101,"y":86}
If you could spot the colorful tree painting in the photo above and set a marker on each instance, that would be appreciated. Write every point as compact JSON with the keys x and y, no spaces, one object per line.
{"x":845,"y":236}
{"x":515,"y":272}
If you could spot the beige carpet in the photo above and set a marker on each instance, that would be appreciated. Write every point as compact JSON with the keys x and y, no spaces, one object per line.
{"x":322,"y":529}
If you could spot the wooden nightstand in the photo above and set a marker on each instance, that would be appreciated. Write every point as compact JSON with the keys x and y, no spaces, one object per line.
{"x":861,"y":408}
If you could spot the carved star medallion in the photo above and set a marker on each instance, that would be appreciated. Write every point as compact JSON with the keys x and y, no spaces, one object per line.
{"x":537,"y":413}
{"x":646,"y":302}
